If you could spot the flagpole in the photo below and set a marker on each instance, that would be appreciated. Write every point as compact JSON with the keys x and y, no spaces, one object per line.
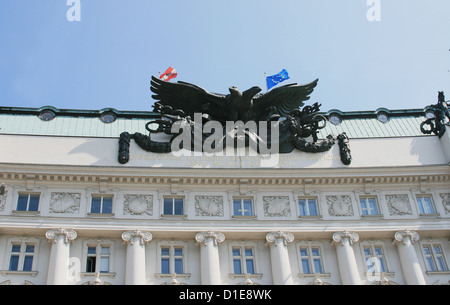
{"x":265,"y":80}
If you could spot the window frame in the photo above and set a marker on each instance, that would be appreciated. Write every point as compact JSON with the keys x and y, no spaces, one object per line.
{"x":242,"y":207}
{"x":27,"y":204}
{"x":102,"y":206}
{"x":421,"y":208}
{"x":432,"y":244}
{"x":172,"y":245}
{"x":307,"y":205}
{"x":173,"y":206}
{"x":311,"y":245}
{"x":242,"y":246}
{"x":367,"y":208}
{"x":22,"y":255}
{"x":98,"y":257}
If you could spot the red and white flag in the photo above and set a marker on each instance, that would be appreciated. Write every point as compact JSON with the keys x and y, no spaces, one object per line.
{"x":168,"y":74}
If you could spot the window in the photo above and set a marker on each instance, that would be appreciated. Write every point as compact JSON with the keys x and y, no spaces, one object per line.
{"x":335,"y":119}
{"x":47,"y":115}
{"x":308,"y":207}
{"x":28,"y":202}
{"x":374,"y":257}
{"x":434,"y":258}
{"x":369,"y":206}
{"x":22,"y":256}
{"x":243,"y":207}
{"x":172,"y":259}
{"x":101,"y":205}
{"x":426,"y":206}
{"x":243,"y":260}
{"x":98,"y":258}
{"x":173,"y":206}
{"x":311,"y":259}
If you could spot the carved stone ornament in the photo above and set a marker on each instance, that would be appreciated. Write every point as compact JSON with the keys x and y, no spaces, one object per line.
{"x":446,"y":202}
{"x":402,"y":236}
{"x":276,"y":206}
{"x":398,"y":204}
{"x":69,"y":235}
{"x":339,"y":205}
{"x":3,"y":201}
{"x":64,"y":202}
{"x":144,"y":237}
{"x":138,"y":204}
{"x":272,"y":237}
{"x":209,"y":205}
{"x":202,"y":236}
{"x":339,"y":237}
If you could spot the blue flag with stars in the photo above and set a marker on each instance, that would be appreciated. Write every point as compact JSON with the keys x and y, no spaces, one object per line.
{"x":276,"y":79}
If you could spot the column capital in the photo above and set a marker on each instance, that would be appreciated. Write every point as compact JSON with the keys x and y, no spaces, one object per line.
{"x":202,"y":236}
{"x":144,"y":236}
{"x":273,"y":236}
{"x":69,"y":235}
{"x":401,"y":236}
{"x":339,"y":237}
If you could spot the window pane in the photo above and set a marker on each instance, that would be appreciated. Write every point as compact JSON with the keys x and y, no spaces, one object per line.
{"x":317,"y":265}
{"x":165,"y":251}
{"x":165,"y":265}
{"x":90,"y":264}
{"x":312,"y":207}
{"x":178,"y":265}
{"x":34,"y":202}
{"x":373,"y":206}
{"x":178,"y":251}
{"x":91,"y":250}
{"x":237,"y":266}
{"x":431,"y":264}
{"x":363,"y":206}
{"x":104,"y":250}
{"x":178,"y":206}
{"x":104,"y":264}
{"x":248,"y":252}
{"x":304,"y":251}
{"x":28,"y":263}
{"x":107,"y":205}
{"x":315,"y":251}
{"x":168,"y":206}
{"x":237,"y":207}
{"x":22,"y":202}
{"x":236,"y":252}
{"x":250,"y":266}
{"x":13,"y":263}
{"x":248,"y":207}
{"x":29,"y":248}
{"x":96,"y":204}
{"x":15,"y":248}
{"x":305,"y":265}
{"x":302,"y":207}
{"x":441,"y":264}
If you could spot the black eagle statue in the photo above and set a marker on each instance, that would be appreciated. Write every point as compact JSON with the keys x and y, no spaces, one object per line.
{"x":249,"y":105}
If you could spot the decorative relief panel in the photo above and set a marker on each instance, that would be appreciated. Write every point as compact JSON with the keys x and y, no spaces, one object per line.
{"x":445,"y":202}
{"x":398,"y":204}
{"x":138,"y":204}
{"x":65,"y":203}
{"x":208,"y":205}
{"x":339,"y":205}
{"x":3,"y":201}
{"x":276,"y":206}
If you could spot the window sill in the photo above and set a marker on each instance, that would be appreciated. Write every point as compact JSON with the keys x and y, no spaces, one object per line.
{"x":429,"y":215}
{"x":170,"y":216}
{"x":173,"y":275}
{"x":25,"y":213}
{"x":438,"y":272}
{"x":244,"y":217}
{"x":373,"y":217}
{"x":32,"y":273}
{"x":107,"y":274}
{"x":101,"y":215}
{"x":310,"y":217}
{"x":316,"y":275}
{"x":245,"y":275}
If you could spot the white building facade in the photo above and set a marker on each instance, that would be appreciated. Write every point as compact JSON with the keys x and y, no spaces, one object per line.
{"x":72,"y":214}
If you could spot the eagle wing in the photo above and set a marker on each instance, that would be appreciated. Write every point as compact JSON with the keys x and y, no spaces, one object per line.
{"x":185,"y":96}
{"x":282,"y":100}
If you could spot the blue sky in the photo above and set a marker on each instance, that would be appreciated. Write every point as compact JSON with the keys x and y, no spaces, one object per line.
{"x":107,"y":58}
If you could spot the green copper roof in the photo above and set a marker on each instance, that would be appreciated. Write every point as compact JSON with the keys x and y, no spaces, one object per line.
{"x":87,"y":123}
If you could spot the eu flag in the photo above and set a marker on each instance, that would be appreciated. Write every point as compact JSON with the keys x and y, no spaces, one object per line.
{"x":277,"y":78}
